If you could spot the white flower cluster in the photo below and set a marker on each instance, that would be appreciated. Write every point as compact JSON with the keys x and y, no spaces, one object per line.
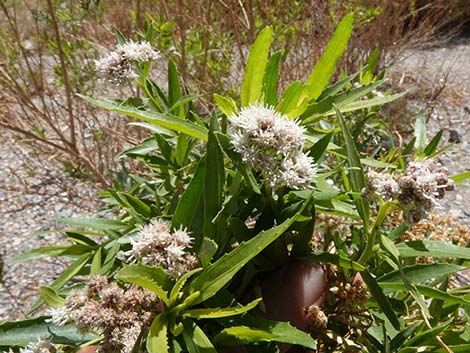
{"x":39,"y":347}
{"x":119,"y":315}
{"x":383,"y":184}
{"x":421,"y":187}
{"x":272,"y":144}
{"x":157,"y":245}
{"x":118,"y":65}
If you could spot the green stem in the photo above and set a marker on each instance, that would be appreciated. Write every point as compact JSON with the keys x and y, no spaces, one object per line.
{"x":372,"y":237}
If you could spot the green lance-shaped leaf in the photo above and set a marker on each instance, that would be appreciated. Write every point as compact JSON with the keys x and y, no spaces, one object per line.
{"x":152,"y":278}
{"x":50,"y":297}
{"x":157,"y":339}
{"x":23,"y":332}
{"x":325,"y":66}
{"x":167,"y":121}
{"x":189,"y":212}
{"x":252,"y":85}
{"x":175,"y":293}
{"x":356,"y":174}
{"x":216,"y":313}
{"x":95,"y":223}
{"x":343,"y":262}
{"x":66,"y":276}
{"x":421,"y":272}
{"x":213,"y":186}
{"x":460,"y":178}
{"x":218,"y":274}
{"x":293,"y":102}
{"x":271,"y":78}
{"x":195,"y":339}
{"x":226,"y":104}
{"x":259,"y":330}
{"x":424,"y":337}
{"x":432,"y":248}
{"x":381,"y":298}
{"x":427,"y":292}
{"x":174,"y":91}
{"x":136,"y":204}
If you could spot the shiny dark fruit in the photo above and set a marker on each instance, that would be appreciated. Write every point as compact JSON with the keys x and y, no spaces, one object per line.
{"x":290,"y":291}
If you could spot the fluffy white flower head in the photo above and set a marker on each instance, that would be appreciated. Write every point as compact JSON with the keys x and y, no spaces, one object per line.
{"x":157,"y":245}
{"x":272,"y":144}
{"x":118,"y":65}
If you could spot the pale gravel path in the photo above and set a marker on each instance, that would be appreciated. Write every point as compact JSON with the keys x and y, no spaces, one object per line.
{"x":429,"y":68}
{"x":33,"y":192}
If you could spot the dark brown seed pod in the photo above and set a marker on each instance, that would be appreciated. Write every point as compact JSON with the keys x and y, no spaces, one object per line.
{"x":289,"y":292}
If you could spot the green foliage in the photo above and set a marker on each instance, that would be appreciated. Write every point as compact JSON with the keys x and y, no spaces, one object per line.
{"x":197,"y":180}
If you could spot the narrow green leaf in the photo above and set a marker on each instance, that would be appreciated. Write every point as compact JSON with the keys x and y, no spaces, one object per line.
{"x":189,"y":211}
{"x":337,"y":87}
{"x":218,"y":274}
{"x":432,"y":146}
{"x":95,"y":268}
{"x":152,"y":278}
{"x":325,"y":66}
{"x":370,"y":162}
{"x":136,"y":204}
{"x":213,"y":185}
{"x":292,"y":103}
{"x":460,"y":178}
{"x":196,"y":340}
{"x":398,"y":231}
{"x":252,"y":85}
{"x":174,"y":91}
{"x":401,"y":336}
{"x":319,"y":148}
{"x":65,"y":276}
{"x":181,"y":152}
{"x":422,"y":272}
{"x":357,"y":105}
{"x":259,"y":330}
{"x":50,"y":297}
{"x":325,"y":107}
{"x":432,"y":248}
{"x":95,"y":223}
{"x":176,"y":290}
{"x":108,"y":262}
{"x":157,"y":339}
{"x":381,"y":299}
{"x":216,"y":313}
{"x":167,"y":121}
{"x":55,"y":250}
{"x":422,"y":338}
{"x":271,"y":78}
{"x":226,"y":105}
{"x":338,"y":260}
{"x":207,"y":251}
{"x":23,"y":332}
{"x":371,"y":65}
{"x":427,"y":292}
{"x":356,"y":174}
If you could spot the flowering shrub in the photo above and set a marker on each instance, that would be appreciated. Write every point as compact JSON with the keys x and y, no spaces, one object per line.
{"x":255,"y":228}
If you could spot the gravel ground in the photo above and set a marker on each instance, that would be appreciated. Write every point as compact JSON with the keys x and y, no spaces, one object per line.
{"x":34,"y":191}
{"x":432,"y":69}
